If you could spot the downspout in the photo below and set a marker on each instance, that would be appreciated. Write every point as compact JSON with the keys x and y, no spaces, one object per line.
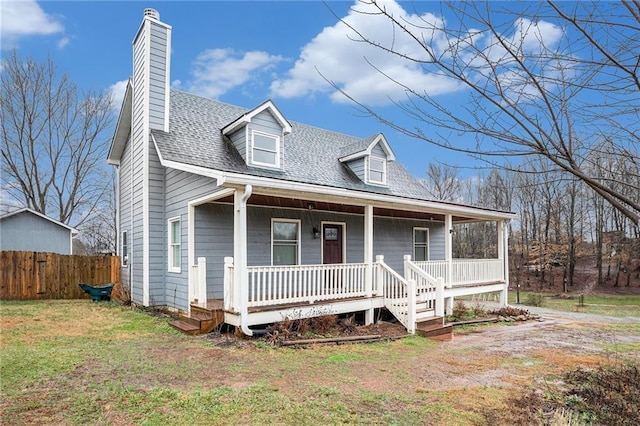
{"x":242,"y":266}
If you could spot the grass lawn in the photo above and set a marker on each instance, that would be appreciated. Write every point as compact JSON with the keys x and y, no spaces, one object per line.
{"x":601,"y":304}
{"x":78,"y":362}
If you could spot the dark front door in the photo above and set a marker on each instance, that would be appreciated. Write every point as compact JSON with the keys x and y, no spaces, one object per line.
{"x":332,"y":243}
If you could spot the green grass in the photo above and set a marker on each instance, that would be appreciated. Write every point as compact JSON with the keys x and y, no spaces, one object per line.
{"x":614,"y":305}
{"x":77,"y":362}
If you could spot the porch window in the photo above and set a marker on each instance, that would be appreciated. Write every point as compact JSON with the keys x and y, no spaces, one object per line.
{"x":285,"y":242}
{"x":174,"y":245}
{"x":420,"y":244}
{"x":124,"y":251}
{"x":377,"y":170}
{"x":265,"y":149}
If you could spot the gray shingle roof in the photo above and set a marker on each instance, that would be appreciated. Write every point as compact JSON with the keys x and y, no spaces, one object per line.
{"x":310,"y":154}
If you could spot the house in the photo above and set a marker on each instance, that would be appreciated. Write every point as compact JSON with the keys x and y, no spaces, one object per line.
{"x":28,"y":230}
{"x":244,"y":216}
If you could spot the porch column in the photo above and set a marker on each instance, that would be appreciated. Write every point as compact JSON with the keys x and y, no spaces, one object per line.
{"x":368,"y":259}
{"x":448,"y":257}
{"x":503,"y":253}
{"x":240,"y":198}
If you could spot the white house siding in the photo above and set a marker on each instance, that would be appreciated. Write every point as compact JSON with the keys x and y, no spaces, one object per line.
{"x":126,"y":219}
{"x":157,"y":230}
{"x":26,"y":231}
{"x":180,"y":189}
{"x":393,"y":238}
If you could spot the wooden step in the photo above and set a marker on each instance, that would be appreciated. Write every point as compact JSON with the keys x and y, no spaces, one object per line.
{"x":185,"y":327}
{"x":434,"y":328}
{"x":202,"y":319}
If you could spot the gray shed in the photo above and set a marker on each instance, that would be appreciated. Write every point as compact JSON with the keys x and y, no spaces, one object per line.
{"x":28,"y":230}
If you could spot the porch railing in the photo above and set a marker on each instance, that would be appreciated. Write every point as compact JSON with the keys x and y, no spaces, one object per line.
{"x":426,"y":284}
{"x":275,"y":285}
{"x":465,"y":271}
{"x":399,"y":294}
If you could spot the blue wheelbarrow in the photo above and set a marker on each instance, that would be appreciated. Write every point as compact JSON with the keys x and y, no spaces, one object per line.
{"x":98,"y":293}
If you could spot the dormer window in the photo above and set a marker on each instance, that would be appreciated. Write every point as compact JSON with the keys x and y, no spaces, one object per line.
{"x":265,"y":149}
{"x":377,"y":170}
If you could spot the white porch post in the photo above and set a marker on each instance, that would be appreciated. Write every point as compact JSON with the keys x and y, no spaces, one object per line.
{"x":202,"y":280}
{"x":229,"y":294}
{"x":368,"y":259}
{"x":503,"y":253}
{"x":448,"y":257}
{"x":240,"y":198}
{"x":411,"y":306}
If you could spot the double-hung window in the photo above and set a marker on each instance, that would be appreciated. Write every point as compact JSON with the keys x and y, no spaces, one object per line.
{"x":175,"y":253}
{"x":265,"y":149}
{"x":420,"y":244}
{"x":377,"y":170}
{"x":285,"y":242}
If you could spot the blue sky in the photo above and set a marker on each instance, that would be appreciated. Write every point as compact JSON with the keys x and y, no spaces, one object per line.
{"x":241,"y":53}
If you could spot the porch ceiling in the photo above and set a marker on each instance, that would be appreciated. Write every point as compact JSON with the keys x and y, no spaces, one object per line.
{"x":306,"y":204}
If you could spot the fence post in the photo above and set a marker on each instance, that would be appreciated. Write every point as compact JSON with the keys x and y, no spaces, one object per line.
{"x":440,"y":297}
{"x":202,"y":280}
{"x":411,"y":306}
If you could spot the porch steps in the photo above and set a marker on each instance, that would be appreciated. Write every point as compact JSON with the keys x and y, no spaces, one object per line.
{"x":202,"y":319}
{"x":434,"y":328}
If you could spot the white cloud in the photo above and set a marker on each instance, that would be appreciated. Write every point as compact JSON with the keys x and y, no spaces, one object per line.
{"x":63,"y":42}
{"x":25,"y":18}
{"x":117,"y":91}
{"x":216,"y":71}
{"x":334,"y":54}
{"x":375,"y":77}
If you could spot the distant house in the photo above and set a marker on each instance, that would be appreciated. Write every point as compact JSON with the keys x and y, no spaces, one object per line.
{"x":28,"y":230}
{"x":265,"y":218}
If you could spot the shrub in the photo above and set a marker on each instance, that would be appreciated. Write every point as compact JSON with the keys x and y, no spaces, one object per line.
{"x":534,"y":299}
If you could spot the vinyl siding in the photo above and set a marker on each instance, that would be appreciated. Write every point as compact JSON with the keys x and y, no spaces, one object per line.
{"x":137,"y":168}
{"x":377,"y":151}
{"x":357,"y":166}
{"x":125,"y":196}
{"x":28,"y":232}
{"x":180,"y":188}
{"x":158,"y":75}
{"x":239,"y":139}
{"x":393,"y":238}
{"x":157,"y":225}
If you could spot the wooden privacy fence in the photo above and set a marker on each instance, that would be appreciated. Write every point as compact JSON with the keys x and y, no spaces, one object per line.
{"x":31,"y":275}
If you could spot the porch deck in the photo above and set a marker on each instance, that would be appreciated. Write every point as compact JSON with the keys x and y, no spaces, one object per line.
{"x":276,"y":293}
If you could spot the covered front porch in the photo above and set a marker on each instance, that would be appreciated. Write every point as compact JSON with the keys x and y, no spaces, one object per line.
{"x":412,"y":290}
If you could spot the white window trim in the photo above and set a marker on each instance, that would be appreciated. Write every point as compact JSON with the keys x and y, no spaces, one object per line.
{"x":299,"y":222}
{"x":253,"y":148}
{"x":413,"y":251}
{"x":384,"y":170}
{"x":124,"y":259}
{"x":170,"y":266}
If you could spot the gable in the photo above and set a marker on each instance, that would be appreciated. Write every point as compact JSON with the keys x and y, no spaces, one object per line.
{"x":123,"y":127}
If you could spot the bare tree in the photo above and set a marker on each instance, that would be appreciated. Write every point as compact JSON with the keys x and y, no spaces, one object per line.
{"x":54,"y":141}
{"x":523,"y":93}
{"x":442,"y":182}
